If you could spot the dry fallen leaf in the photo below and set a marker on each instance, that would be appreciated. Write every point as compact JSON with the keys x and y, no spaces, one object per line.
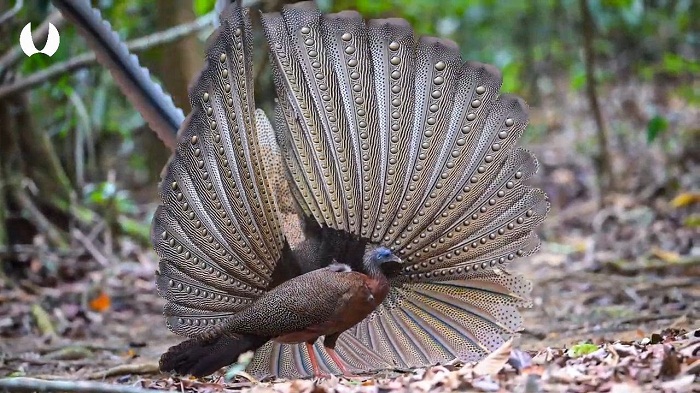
{"x":670,"y":365}
{"x":666,"y":256}
{"x":495,"y":361}
{"x":685,"y":199}
{"x":43,"y":321}
{"x":101,"y":303}
{"x":625,"y":387}
{"x":520,"y":359}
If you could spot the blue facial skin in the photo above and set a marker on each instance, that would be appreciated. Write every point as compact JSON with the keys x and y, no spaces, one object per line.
{"x":382,"y":253}
{"x":381,"y":259}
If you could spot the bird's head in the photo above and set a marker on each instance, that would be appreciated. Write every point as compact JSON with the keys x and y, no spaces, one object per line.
{"x":381,"y":259}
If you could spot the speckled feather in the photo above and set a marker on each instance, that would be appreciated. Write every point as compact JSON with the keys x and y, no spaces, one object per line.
{"x":380,"y":139}
{"x":451,"y":201}
{"x":286,"y":309}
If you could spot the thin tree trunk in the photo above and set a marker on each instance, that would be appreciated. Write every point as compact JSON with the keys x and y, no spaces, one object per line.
{"x":603,"y":161}
{"x":4,"y":241}
{"x":530,"y":73}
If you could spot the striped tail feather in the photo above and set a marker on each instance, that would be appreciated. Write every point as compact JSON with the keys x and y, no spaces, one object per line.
{"x":400,"y":142}
{"x":217,"y":232}
{"x":293,"y":361}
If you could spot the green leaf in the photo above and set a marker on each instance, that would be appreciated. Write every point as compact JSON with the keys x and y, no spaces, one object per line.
{"x":582,"y":349}
{"x":202,"y":7}
{"x":656,"y":126}
{"x":578,"y":78}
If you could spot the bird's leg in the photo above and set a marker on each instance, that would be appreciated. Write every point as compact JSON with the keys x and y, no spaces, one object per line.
{"x":338,"y":362}
{"x":329,"y":344}
{"x":314,"y":361}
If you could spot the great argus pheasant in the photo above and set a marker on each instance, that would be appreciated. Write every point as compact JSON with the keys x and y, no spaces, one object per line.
{"x":369,"y":229}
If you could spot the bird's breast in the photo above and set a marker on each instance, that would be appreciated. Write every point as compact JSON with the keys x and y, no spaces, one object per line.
{"x":378,"y":288}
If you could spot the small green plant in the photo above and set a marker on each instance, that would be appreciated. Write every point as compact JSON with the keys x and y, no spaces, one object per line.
{"x":656,"y":126}
{"x":581,"y":349}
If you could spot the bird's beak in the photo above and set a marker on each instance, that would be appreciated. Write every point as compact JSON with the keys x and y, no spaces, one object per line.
{"x":392,"y":266}
{"x":395,"y":259}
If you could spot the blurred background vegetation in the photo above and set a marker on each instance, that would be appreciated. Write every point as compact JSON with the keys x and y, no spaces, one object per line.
{"x":613,"y":87}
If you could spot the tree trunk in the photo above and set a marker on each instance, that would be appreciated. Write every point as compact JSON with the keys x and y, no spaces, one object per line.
{"x":603,"y":160}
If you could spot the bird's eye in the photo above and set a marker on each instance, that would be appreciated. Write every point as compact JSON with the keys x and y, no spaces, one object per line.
{"x":383,"y":253}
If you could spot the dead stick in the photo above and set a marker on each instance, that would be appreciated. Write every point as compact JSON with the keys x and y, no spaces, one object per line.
{"x":39,"y":385}
{"x":90,"y":247}
{"x":123,"y":369}
{"x":38,"y":219}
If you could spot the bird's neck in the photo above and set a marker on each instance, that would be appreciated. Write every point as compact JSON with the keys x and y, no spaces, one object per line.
{"x":372,"y":270}
{"x":375,"y":273}
{"x":378,"y":284}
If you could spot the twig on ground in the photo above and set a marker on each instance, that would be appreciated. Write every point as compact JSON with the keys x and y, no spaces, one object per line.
{"x":123,"y":369}
{"x":26,"y":251}
{"x":87,"y":345}
{"x":39,"y":219}
{"x":39,"y":385}
{"x":649,"y":318}
{"x":90,"y":247}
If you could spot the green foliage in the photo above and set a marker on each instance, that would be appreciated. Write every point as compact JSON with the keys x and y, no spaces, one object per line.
{"x":202,"y":7}
{"x":656,"y":126}
{"x":677,"y":65}
{"x":522,"y":37}
{"x":511,"y":76}
{"x":692,"y":221}
{"x":106,"y":195}
{"x":578,"y":77}
{"x":581,"y":349}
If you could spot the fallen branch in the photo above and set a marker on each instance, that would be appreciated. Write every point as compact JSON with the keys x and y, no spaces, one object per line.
{"x":124,"y":369}
{"x":42,"y":223}
{"x":10,"y":14}
{"x":39,"y":385}
{"x":27,"y":251}
{"x":88,"y":59}
{"x":90,"y":247}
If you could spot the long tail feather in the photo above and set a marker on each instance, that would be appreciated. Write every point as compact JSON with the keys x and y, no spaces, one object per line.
{"x":154,"y":104}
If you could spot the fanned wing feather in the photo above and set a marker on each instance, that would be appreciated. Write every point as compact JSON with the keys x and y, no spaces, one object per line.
{"x":406,"y":146}
{"x":218,"y":231}
{"x":393,"y":61}
{"x":379,"y":137}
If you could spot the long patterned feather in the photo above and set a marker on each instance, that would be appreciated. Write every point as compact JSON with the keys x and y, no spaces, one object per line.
{"x":428,"y":147}
{"x":154,"y":104}
{"x":380,"y":138}
{"x":218,"y":231}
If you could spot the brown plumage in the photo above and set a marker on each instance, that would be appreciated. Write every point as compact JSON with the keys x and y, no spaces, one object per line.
{"x":383,"y":144}
{"x":340,"y":297}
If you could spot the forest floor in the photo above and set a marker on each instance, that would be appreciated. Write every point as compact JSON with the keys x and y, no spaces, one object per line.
{"x":624,"y":279}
